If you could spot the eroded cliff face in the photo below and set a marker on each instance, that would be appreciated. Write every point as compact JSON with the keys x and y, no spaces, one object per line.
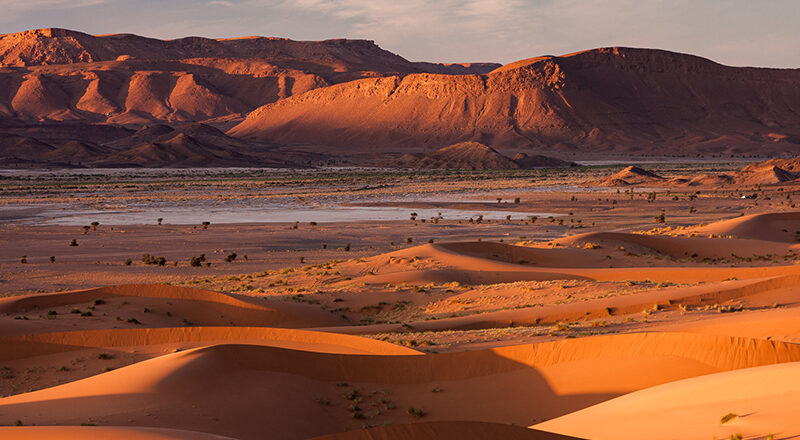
{"x":620,"y":99}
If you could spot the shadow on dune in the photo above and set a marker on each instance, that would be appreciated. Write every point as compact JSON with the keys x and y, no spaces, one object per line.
{"x":250,"y":392}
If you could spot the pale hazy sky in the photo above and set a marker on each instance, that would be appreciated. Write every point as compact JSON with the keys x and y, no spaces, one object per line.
{"x":734,"y":32}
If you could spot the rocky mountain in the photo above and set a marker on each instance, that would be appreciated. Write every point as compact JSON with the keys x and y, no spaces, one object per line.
{"x":623,"y":100}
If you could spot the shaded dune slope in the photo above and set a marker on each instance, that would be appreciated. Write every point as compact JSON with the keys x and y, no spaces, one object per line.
{"x":104,"y":432}
{"x":445,"y":431}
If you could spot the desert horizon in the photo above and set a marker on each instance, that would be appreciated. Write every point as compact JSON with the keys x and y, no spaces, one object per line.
{"x":313,"y":237}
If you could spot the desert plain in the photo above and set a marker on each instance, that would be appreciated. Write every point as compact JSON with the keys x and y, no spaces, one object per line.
{"x":543,"y":299}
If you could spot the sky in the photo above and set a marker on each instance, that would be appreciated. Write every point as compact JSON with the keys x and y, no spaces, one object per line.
{"x":733,"y":32}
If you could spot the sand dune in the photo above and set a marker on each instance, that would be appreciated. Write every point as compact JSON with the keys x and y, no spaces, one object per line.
{"x":285,"y":383}
{"x":696,"y":248}
{"x":764,"y":398}
{"x":194,"y":305}
{"x":104,"y":432}
{"x":445,"y":431}
{"x":757,"y":292}
{"x":16,"y":347}
{"x":780,"y":227}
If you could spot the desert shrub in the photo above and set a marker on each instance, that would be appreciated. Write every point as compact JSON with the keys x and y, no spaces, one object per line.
{"x":128,"y":262}
{"x":347,"y":247}
{"x":52,"y":258}
{"x":231,"y":257}
{"x":727,"y":418}
{"x":205,"y":224}
{"x":198,"y":260}
{"x":95,"y":225}
{"x":149,"y":259}
{"x":416,"y":412}
{"x":104,"y":356}
{"x":86,"y":229}
{"x":24,"y":259}
{"x":73,"y":242}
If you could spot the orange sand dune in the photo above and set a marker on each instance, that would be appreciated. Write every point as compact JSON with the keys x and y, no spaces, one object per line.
{"x":490,"y":262}
{"x":780,"y":227}
{"x":445,"y":431}
{"x":206,"y":305}
{"x":684,"y":247}
{"x":764,"y":398}
{"x":758,"y":291}
{"x":17,"y":347}
{"x":776,"y":324}
{"x":105,"y":433}
{"x":518,"y":384}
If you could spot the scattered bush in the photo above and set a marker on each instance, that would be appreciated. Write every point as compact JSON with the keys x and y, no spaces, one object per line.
{"x":149,"y":259}
{"x":416,"y":412}
{"x":198,"y":260}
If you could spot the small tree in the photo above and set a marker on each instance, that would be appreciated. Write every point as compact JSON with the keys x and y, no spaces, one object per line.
{"x":409,"y":240}
{"x":312,"y":224}
{"x":73,"y":242}
{"x":231,"y":257}
{"x":24,"y":259}
{"x":86,"y":229}
{"x":413,"y":216}
{"x":347,"y":247}
{"x":516,"y":200}
{"x":160,"y":220}
{"x":205,"y":224}
{"x":660,"y":218}
{"x":499,"y":199}
{"x":52,"y":258}
{"x":95,"y":225}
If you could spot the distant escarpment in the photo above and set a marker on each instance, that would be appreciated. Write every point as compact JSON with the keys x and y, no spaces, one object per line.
{"x":623,"y":100}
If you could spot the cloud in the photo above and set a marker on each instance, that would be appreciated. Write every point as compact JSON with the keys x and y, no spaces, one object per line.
{"x":224,"y":3}
{"x":39,"y":5}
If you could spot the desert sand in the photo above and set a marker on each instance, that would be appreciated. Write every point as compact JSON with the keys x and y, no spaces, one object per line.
{"x":560,"y":331}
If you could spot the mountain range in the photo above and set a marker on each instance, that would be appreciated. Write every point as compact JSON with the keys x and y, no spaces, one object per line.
{"x":72,"y":99}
